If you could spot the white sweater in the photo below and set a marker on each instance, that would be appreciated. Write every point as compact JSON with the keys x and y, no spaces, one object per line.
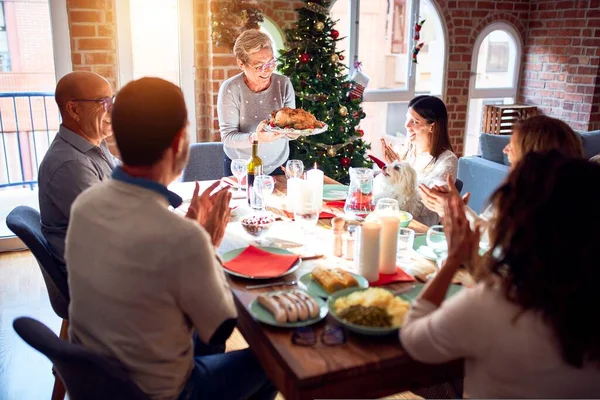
{"x":505,"y":357}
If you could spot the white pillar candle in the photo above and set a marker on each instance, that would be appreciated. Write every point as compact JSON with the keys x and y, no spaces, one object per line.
{"x":367,"y":250}
{"x":305,"y":193}
{"x":315,"y":177}
{"x":293,"y":193}
{"x":389,"y":242}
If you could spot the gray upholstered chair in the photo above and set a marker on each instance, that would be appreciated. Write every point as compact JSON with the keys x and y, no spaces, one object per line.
{"x":26,"y":224}
{"x":87,"y":375}
{"x":206,"y":162}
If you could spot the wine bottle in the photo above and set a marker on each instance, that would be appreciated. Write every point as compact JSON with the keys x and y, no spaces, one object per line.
{"x":254,"y":169}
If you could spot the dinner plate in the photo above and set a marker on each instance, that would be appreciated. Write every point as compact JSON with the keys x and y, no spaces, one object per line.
{"x":335,"y":192}
{"x":230,"y":255}
{"x":360,"y":329}
{"x":412,"y":295}
{"x":301,"y":132}
{"x":263,"y":315}
{"x":315,"y":289}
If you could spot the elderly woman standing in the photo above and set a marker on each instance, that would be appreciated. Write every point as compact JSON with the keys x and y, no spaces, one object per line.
{"x":246,"y":100}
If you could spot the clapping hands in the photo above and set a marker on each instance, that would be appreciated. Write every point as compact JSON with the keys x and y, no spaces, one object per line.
{"x":211,"y":210}
{"x":435,"y":197}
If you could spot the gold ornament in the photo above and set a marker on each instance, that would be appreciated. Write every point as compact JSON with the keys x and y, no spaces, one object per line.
{"x":331,"y":151}
{"x":343,"y":111}
{"x":335,"y":58}
{"x":319,"y":26}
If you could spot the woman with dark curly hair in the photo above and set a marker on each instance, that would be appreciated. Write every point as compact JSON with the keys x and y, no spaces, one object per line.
{"x":531,"y":327}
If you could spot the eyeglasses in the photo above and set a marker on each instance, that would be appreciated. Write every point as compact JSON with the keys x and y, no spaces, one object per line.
{"x":266,"y":66}
{"x":332,"y":335}
{"x":106,"y":101}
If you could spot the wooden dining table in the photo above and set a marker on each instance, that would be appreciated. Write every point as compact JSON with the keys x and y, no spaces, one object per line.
{"x":362,"y":367}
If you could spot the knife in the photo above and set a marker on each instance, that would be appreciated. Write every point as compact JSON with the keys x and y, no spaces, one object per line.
{"x":265,"y":285}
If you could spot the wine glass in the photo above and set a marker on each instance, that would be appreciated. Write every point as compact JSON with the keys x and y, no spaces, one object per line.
{"x":436,"y":241}
{"x":239,"y":168}
{"x":387,"y":207}
{"x":306,"y":216}
{"x":294,"y":169}
{"x":264,"y":186}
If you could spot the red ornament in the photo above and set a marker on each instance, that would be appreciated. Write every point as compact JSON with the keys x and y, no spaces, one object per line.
{"x":304,"y":57}
{"x":334,"y":34}
{"x":345,"y":161}
{"x":342,"y":57}
{"x":360,"y":132}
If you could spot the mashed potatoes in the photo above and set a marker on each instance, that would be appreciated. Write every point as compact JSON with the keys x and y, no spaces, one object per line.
{"x":375,"y":297}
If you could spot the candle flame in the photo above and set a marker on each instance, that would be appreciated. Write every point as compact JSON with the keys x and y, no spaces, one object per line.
{"x":315,"y":166}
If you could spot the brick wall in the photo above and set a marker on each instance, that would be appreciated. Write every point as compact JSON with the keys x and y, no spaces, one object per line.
{"x":92,"y":26}
{"x":561,"y":64}
{"x":215,"y":64}
{"x":465,"y":19}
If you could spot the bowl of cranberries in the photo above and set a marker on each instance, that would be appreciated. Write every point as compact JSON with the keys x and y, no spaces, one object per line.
{"x":256,"y":225}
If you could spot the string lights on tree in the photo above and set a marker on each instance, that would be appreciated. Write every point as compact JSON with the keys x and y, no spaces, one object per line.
{"x":323,"y":88}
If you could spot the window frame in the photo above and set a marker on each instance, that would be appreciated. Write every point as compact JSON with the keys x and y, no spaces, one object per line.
{"x":393,"y":95}
{"x":61,"y":38}
{"x":501,"y":92}
{"x":187,"y":68}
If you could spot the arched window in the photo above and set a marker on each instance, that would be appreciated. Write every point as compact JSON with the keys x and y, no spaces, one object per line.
{"x":274,"y":32}
{"x":495,"y":70}
{"x":380,"y":34}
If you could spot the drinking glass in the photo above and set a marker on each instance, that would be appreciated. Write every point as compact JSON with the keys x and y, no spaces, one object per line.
{"x":436,"y":241}
{"x":306,"y":216}
{"x":406,"y":239}
{"x":263,"y":186}
{"x":294,"y":169}
{"x":387,"y":207}
{"x":239,"y":168}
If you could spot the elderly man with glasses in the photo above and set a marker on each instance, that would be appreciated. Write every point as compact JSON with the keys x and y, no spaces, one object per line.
{"x":78,"y":156}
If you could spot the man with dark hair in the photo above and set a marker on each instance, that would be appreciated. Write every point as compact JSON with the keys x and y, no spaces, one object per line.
{"x":144,"y":280}
{"x":78,"y":157}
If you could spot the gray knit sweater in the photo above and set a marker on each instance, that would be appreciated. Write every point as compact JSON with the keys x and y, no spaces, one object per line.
{"x":241,"y":110}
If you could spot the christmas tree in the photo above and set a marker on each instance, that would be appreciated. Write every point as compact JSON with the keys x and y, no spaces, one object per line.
{"x":323,"y":88}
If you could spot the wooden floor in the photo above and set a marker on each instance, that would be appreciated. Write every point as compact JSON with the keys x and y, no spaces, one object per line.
{"x":24,"y":373}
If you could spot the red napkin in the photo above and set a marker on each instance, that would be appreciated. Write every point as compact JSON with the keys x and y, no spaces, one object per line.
{"x":259,"y":263}
{"x":399,"y":276}
{"x":336,"y":203}
{"x":377,"y":161}
{"x":323,"y":215}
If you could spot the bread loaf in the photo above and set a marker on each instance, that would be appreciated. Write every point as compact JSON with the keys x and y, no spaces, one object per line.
{"x":333,"y":279}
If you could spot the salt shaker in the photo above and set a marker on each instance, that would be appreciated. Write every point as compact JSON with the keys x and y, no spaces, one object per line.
{"x":337,"y":224}
{"x":348,"y":243}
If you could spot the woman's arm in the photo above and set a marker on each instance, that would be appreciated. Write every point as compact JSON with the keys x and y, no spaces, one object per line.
{"x":437,"y":334}
{"x":228,"y":110}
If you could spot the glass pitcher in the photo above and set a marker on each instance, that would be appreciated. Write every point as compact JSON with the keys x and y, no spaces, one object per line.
{"x":359,"y":202}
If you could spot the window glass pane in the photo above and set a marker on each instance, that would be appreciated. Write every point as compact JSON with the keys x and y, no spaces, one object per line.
{"x":155,"y":39}
{"x":476,"y":107}
{"x":271,"y":30}
{"x":431,"y":58}
{"x":496,"y":61}
{"x":340,"y":14}
{"x":383,"y":42}
{"x":383,"y":118}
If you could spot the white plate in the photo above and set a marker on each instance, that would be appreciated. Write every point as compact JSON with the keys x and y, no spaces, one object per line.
{"x":301,"y":132}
